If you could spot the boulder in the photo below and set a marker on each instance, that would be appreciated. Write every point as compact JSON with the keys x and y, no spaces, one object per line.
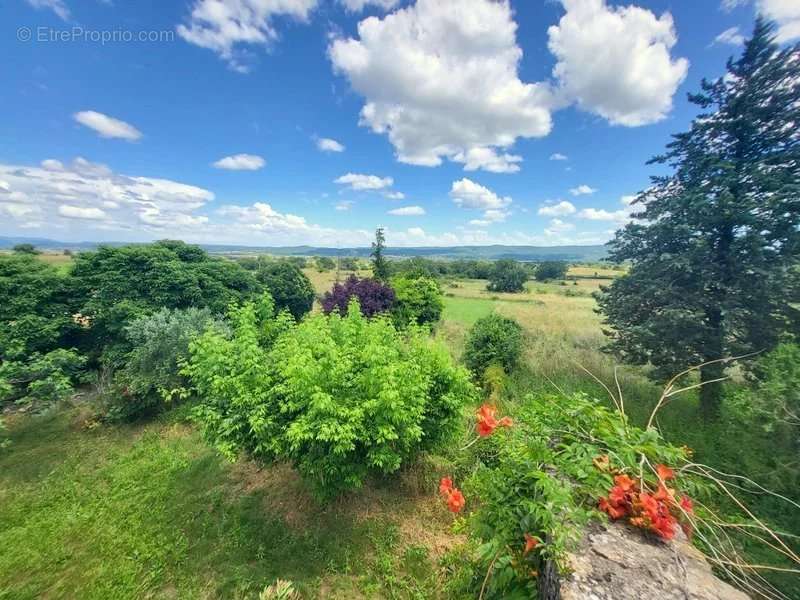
{"x":617,"y":562}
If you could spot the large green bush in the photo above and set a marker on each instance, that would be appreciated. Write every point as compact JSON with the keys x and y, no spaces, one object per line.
{"x":507,"y":276}
{"x":418,"y":300}
{"x":289,"y":286}
{"x":151,"y":375}
{"x":342,"y":397}
{"x":493,"y":340}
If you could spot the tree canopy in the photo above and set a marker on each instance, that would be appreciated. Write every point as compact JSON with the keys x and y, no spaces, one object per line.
{"x":714,"y":245}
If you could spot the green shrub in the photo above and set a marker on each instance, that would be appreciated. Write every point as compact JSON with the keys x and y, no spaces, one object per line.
{"x":40,"y":380}
{"x":507,"y":276}
{"x":418,"y":300}
{"x":151,"y":373}
{"x":289,"y":286}
{"x":493,"y":340}
{"x":342,"y":397}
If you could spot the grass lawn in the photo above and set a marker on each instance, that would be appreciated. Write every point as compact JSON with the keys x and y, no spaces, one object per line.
{"x":152,"y":511}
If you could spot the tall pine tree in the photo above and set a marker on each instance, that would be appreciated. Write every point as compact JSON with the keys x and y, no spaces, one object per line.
{"x":715,"y":247}
{"x":380,"y":266}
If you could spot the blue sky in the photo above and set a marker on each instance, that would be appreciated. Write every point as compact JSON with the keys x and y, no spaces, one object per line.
{"x":283,"y":122}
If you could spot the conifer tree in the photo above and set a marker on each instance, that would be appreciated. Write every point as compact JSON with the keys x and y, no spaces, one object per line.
{"x":380,"y":266}
{"x":714,"y":245}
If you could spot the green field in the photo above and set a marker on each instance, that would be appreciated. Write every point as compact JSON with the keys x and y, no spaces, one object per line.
{"x":150,"y":511}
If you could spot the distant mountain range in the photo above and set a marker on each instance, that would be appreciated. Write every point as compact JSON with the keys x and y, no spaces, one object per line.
{"x":525,"y":253}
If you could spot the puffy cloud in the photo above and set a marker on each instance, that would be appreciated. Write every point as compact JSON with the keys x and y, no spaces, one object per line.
{"x":582,"y":190}
{"x":559,"y":209}
{"x":616,"y":62}
{"x":786,"y":14}
{"x":408,"y":211}
{"x":394,"y":195}
{"x":558,"y":156}
{"x":558,"y":226}
{"x":357,"y":181}
{"x":730,"y":36}
{"x":107,"y":127}
{"x":224,"y":25}
{"x":440,"y":79}
{"x":416,"y":231}
{"x":329,"y":145}
{"x":359,"y":5}
{"x":57,"y":6}
{"x":240,"y":162}
{"x":468,"y":194}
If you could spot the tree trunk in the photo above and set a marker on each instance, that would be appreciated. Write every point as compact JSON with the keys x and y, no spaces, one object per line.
{"x":711,"y":393}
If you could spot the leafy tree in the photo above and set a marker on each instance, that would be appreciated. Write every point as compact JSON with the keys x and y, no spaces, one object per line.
{"x":289,"y":286}
{"x":380,"y":266}
{"x":507,"y":276}
{"x":25,"y":249}
{"x":342,"y":397}
{"x":36,"y":307}
{"x":373,"y":296}
{"x":418,"y":300}
{"x":493,"y":340}
{"x":715,"y":250}
{"x":119,"y":284}
{"x":325,"y":263}
{"x":551,"y":269}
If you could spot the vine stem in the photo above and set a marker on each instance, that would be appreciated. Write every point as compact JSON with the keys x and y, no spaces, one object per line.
{"x":488,"y":572}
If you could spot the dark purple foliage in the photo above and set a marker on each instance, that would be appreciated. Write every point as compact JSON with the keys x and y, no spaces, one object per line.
{"x":374,"y":296}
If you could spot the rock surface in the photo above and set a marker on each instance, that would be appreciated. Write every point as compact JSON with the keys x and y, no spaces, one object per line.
{"x":616,"y":562}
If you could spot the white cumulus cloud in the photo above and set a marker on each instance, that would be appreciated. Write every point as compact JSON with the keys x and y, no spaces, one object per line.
{"x":470,"y":195}
{"x":407,"y":211}
{"x":558,"y":156}
{"x":616,"y":62}
{"x":224,"y":26}
{"x":600,"y":214}
{"x":582,"y":190}
{"x":358,"y":181}
{"x":329,"y":145}
{"x":107,"y":127}
{"x":558,"y":226}
{"x":559,"y":209}
{"x":441,"y":80}
{"x":240,"y":162}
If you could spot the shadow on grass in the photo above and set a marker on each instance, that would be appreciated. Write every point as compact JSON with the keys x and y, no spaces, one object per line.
{"x":152,"y":511}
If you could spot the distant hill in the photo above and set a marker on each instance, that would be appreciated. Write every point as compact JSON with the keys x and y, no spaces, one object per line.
{"x":524,"y":253}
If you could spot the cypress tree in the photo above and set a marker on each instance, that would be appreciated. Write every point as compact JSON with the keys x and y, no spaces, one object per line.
{"x":714,"y":245}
